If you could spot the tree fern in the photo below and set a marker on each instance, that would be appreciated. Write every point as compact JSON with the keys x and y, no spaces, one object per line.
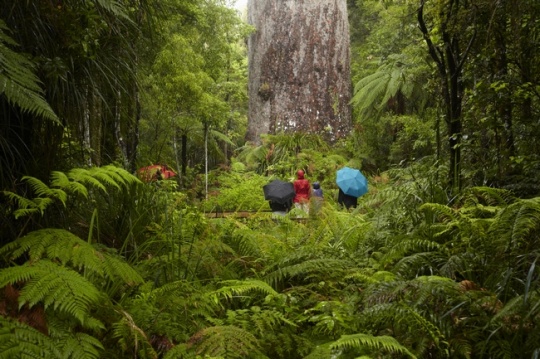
{"x":373,"y":92}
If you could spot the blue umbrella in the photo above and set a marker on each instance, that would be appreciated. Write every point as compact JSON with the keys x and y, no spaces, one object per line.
{"x":351,"y":181}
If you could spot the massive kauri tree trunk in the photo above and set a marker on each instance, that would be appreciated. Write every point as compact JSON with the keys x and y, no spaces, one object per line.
{"x":299,"y":72}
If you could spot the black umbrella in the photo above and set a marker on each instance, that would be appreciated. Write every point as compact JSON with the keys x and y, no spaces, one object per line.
{"x":279,"y":191}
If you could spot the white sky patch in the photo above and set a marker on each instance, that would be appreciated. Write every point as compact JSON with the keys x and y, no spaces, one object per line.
{"x":240,"y":5}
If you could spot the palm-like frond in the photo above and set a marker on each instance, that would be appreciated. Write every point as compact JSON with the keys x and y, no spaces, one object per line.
{"x":18,"y":82}
{"x":373,"y":92}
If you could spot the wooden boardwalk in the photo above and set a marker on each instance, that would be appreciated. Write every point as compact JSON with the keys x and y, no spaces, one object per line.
{"x":247,"y":214}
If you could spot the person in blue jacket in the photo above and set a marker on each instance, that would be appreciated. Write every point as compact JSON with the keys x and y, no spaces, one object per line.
{"x":317,"y":190}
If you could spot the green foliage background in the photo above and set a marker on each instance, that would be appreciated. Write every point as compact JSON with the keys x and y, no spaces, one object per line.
{"x":95,"y":263}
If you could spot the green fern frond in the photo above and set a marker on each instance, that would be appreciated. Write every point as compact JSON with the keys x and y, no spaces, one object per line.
{"x":258,"y":321}
{"x":81,"y":346}
{"x":55,"y":286}
{"x":18,"y":340}
{"x":45,"y":197}
{"x":132,"y":338}
{"x":18,"y":81}
{"x":125,"y":176}
{"x":26,"y":206}
{"x":106,"y":177}
{"x":517,"y":224}
{"x":232,"y":288}
{"x":64,"y":246}
{"x":361,"y":341}
{"x":322,"y":352}
{"x":85,"y":177}
{"x":489,"y":195}
{"x":310,"y":269}
{"x":114,"y":7}
{"x":444,"y":213}
{"x":42,"y":190}
{"x":227,"y":342}
{"x":117,"y":268}
{"x":61,"y":180}
{"x":367,"y":277}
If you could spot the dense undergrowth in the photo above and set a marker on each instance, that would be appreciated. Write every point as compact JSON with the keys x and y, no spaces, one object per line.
{"x":108,"y":267}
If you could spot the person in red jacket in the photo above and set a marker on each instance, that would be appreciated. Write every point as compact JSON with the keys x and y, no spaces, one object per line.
{"x":302,"y":188}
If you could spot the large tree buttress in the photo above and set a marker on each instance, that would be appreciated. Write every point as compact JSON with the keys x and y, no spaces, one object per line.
{"x":299,"y":68}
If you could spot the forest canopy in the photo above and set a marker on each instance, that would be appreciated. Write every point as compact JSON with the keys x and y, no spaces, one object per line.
{"x":437,"y":259}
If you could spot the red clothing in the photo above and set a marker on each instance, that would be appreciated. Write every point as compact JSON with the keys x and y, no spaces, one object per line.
{"x":302,"y":189}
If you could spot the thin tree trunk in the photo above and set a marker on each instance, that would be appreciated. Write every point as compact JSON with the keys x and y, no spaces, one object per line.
{"x":205,"y":160}
{"x":449,"y":60}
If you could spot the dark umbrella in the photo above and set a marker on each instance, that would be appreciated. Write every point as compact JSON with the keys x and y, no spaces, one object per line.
{"x":351,"y":181}
{"x":279,"y":191}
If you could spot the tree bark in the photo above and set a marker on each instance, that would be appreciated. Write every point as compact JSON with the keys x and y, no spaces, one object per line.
{"x":450,"y":59}
{"x":299,"y":68}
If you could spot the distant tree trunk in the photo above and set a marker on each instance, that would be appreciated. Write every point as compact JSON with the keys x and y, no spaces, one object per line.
{"x":299,"y":71}
{"x":450,"y":59}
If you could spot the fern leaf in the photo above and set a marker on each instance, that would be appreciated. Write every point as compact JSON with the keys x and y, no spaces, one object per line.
{"x":123,"y":175}
{"x":19,"y":340}
{"x":26,"y":206}
{"x":517,"y":223}
{"x":42,"y":190}
{"x":104,"y":176}
{"x":114,"y":7}
{"x":233,"y":288}
{"x":61,"y":245}
{"x":310,"y":268}
{"x":227,"y":341}
{"x":55,"y":286}
{"x":131,"y":337}
{"x":85,"y":177}
{"x":371,"y":342}
{"x":82,"y":346}
{"x":61,"y":180}
{"x":18,"y":81}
